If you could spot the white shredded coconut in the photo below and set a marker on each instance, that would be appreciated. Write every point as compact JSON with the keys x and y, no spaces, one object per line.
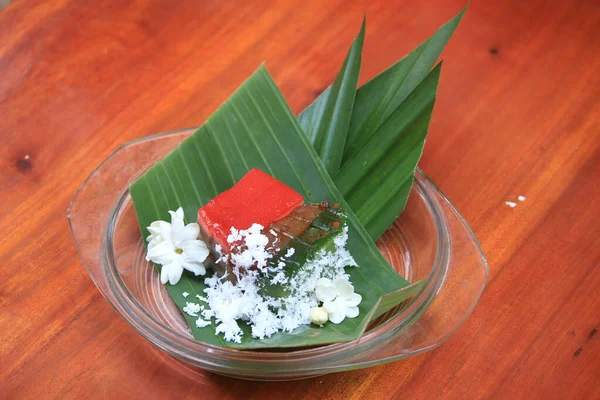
{"x":522,"y":198}
{"x":290,"y":252}
{"x":510,"y":204}
{"x":191,"y":309}
{"x":245,"y":301}
{"x":201,"y":298}
{"x":201,"y":323}
{"x":251,"y":245}
{"x":280,"y":278}
{"x":185,"y":294}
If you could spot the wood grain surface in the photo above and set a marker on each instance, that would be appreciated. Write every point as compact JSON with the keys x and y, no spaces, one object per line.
{"x":518,"y":113}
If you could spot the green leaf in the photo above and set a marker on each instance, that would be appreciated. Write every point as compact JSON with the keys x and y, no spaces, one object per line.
{"x":376,"y":181}
{"x":377,"y":99}
{"x":255,"y":128}
{"x":326,"y":120}
{"x":375,"y":103}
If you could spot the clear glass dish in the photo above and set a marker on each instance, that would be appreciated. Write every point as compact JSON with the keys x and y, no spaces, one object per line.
{"x":430,"y":240}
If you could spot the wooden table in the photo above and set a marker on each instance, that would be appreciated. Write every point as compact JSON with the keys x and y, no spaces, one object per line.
{"x":517,"y":114}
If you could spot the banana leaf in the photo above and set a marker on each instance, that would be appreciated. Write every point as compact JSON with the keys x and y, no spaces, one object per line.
{"x":376,"y":181}
{"x":327,"y":119}
{"x":255,"y":128}
{"x":377,"y":99}
{"x":375,"y":103}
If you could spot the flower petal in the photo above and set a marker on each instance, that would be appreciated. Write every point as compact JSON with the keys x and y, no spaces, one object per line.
{"x":152,"y":242}
{"x":329,"y":306}
{"x":154,"y":228}
{"x":161,"y":253}
{"x":323,"y":281}
{"x":196,"y":267}
{"x":191,"y":232}
{"x":344,"y":288}
{"x":351,"y":312}
{"x":177,"y":227}
{"x":335,"y":313}
{"x":353,"y":300}
{"x":164,"y":276}
{"x":174,"y":270}
{"x":325,"y":290}
{"x":159,"y":229}
{"x":195,"y":251}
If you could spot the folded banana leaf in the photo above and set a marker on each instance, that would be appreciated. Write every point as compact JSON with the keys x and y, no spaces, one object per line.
{"x":255,"y":128}
{"x":388,"y":159}
{"x":375,"y":103}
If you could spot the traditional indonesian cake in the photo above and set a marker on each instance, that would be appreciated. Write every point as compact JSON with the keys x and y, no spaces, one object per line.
{"x":257,"y":198}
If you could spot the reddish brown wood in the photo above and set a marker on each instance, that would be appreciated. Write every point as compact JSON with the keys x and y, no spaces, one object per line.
{"x":517,"y":114}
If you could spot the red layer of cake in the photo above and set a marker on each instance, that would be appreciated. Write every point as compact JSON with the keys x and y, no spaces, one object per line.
{"x":257,"y":198}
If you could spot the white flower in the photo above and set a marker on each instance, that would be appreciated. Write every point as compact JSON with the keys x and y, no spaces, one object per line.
{"x":159,"y":232}
{"x":339,"y":299}
{"x":325,"y":290}
{"x":176,"y":247}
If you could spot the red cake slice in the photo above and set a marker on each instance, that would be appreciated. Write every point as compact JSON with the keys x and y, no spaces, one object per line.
{"x":257,"y":198}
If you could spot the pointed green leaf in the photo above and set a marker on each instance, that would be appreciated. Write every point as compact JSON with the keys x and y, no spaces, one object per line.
{"x":326,"y":120}
{"x":255,"y":128}
{"x":377,"y":179}
{"x":375,"y":102}
{"x":377,"y":99}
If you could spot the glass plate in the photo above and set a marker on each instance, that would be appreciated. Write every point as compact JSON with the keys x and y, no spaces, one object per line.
{"x":430,"y":240}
